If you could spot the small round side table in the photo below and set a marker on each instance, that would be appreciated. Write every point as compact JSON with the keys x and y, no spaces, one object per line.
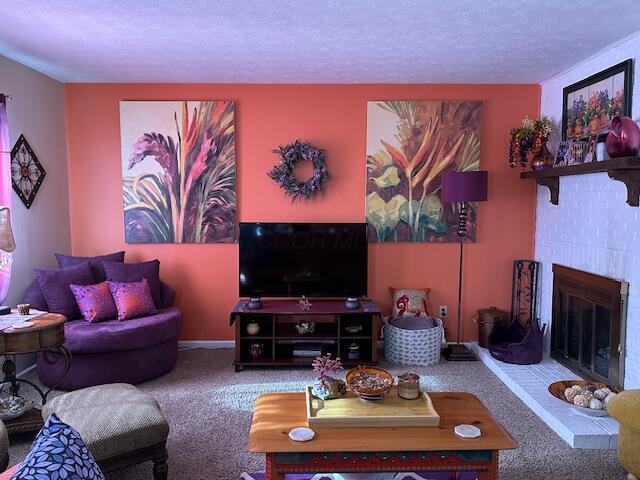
{"x":45,"y":336}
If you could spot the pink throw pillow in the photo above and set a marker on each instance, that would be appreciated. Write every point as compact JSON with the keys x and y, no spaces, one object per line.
{"x":132,"y":299}
{"x":95,"y":302}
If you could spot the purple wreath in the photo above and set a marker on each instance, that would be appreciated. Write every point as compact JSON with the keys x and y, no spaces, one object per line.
{"x":290,"y":155}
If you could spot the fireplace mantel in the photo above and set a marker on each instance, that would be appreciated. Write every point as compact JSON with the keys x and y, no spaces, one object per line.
{"x":589,"y":322}
{"x":624,"y":169}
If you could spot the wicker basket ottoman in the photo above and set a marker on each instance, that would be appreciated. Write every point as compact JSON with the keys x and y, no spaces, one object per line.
{"x":413,"y":347}
{"x":121,"y":425}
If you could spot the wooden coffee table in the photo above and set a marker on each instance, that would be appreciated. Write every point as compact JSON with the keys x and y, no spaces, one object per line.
{"x":390,"y":449}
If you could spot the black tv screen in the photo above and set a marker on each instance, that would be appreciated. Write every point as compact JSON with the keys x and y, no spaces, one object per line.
{"x":295,"y":259}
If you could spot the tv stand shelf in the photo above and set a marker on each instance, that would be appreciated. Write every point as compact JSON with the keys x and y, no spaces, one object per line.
{"x":277,"y":335}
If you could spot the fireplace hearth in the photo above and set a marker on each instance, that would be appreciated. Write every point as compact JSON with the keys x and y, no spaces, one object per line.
{"x":588,"y":326}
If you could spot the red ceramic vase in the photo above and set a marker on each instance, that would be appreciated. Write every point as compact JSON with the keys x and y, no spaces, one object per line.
{"x":623,"y":139}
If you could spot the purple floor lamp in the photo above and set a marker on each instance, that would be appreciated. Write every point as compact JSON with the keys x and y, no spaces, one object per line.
{"x":462,"y":187}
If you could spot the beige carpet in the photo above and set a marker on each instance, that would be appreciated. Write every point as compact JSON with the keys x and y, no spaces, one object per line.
{"x":209,"y":410}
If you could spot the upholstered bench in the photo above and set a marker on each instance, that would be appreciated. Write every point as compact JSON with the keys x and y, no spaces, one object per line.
{"x":120,"y":425}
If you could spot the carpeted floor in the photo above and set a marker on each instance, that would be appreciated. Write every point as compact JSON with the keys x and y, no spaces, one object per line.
{"x":209,"y":410}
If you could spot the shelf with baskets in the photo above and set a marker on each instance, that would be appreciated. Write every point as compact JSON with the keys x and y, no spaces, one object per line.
{"x":623,"y":169}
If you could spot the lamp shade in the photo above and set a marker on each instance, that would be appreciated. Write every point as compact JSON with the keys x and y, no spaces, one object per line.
{"x":7,"y":243}
{"x":464,"y":186}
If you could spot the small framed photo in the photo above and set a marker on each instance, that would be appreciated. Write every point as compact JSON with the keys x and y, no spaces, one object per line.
{"x":577,"y":152}
{"x":591,"y":149}
{"x":562,"y":155}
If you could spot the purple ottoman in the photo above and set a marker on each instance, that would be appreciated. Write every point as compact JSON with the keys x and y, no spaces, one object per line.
{"x":130,"y":351}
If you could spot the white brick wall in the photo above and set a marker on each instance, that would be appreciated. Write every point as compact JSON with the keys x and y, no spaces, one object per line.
{"x":592,"y":228}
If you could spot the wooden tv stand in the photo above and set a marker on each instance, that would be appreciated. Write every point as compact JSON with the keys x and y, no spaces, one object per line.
{"x":278,"y":336}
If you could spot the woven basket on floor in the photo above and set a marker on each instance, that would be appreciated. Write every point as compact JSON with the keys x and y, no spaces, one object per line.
{"x":413,"y":347}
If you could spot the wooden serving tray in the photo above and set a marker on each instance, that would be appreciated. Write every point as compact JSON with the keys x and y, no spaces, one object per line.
{"x":391,"y":411}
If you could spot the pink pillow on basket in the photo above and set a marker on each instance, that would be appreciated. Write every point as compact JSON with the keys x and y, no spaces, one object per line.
{"x":95,"y":302}
{"x":132,"y":299}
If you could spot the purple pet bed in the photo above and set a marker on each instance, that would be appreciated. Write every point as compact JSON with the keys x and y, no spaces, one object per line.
{"x":516,"y":344}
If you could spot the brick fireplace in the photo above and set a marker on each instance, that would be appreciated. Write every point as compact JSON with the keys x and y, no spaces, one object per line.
{"x":595,"y":231}
{"x":589,"y":324}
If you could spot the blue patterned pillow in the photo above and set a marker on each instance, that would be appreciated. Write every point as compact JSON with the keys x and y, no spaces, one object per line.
{"x":58,"y":453}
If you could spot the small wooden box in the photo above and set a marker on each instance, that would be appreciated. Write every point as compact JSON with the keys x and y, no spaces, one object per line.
{"x":391,"y":411}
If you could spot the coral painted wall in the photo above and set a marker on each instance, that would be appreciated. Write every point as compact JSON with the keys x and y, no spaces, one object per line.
{"x":332,"y":117}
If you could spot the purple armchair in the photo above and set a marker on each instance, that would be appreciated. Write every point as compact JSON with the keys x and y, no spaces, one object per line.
{"x":130,"y":351}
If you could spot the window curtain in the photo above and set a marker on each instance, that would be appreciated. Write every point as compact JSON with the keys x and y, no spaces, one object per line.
{"x":5,"y":193}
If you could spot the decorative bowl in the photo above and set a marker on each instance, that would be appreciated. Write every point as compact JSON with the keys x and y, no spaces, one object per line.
{"x":353,"y":329}
{"x":14,"y":407}
{"x":369,"y":383}
{"x":305,"y":328}
{"x":557,"y":389}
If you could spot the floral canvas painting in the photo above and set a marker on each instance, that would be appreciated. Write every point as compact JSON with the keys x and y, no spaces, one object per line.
{"x":178,"y":171}
{"x":409,"y":145}
{"x":589,"y":105}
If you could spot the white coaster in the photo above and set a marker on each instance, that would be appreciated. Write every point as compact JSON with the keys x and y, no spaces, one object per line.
{"x":467,"y":431}
{"x":22,"y":325}
{"x":301,"y":434}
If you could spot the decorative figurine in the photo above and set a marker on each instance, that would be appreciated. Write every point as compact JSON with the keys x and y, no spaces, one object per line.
{"x":326,"y":387}
{"x":354,"y":351}
{"x":304,"y":304}
{"x":256,"y":350}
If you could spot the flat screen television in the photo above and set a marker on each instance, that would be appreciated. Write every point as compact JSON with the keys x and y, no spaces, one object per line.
{"x":295,"y":259}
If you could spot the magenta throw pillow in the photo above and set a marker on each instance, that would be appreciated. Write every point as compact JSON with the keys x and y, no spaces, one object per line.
{"x":132,"y":299}
{"x":134,"y":272}
{"x":95,"y":302}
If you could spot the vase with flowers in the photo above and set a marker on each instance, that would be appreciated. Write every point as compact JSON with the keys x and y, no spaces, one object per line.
{"x":616,"y":105}
{"x":593,"y":113}
{"x":528,"y":143}
{"x":604,"y":107}
{"x":577,"y":118}
{"x":326,"y":386}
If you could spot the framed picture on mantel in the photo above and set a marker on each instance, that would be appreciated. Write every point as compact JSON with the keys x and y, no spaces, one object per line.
{"x":589,"y":105}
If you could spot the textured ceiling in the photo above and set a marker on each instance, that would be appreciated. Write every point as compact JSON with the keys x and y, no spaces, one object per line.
{"x":310,"y":41}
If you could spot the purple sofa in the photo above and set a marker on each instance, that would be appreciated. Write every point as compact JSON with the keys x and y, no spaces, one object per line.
{"x":130,"y":351}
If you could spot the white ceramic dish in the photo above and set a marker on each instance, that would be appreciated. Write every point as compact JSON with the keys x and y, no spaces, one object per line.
{"x":22,"y":325}
{"x":301,"y":434}
{"x":14,"y":407}
{"x":467,"y":431}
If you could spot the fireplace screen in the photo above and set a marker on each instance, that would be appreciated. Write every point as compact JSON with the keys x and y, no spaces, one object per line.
{"x":588,"y":324}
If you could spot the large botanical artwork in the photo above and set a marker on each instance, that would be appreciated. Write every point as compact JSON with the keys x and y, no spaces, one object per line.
{"x":409,"y":145}
{"x":178,"y":171}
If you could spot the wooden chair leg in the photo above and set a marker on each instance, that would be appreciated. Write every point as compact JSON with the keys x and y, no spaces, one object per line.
{"x":160,"y":466}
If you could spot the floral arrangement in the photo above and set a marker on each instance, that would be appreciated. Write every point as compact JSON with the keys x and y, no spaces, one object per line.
{"x":283,"y":174}
{"x":530,"y":137}
{"x":326,"y":366}
{"x":616,"y":104}
{"x":593,"y":105}
{"x":603,"y":97}
{"x":578,"y":114}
